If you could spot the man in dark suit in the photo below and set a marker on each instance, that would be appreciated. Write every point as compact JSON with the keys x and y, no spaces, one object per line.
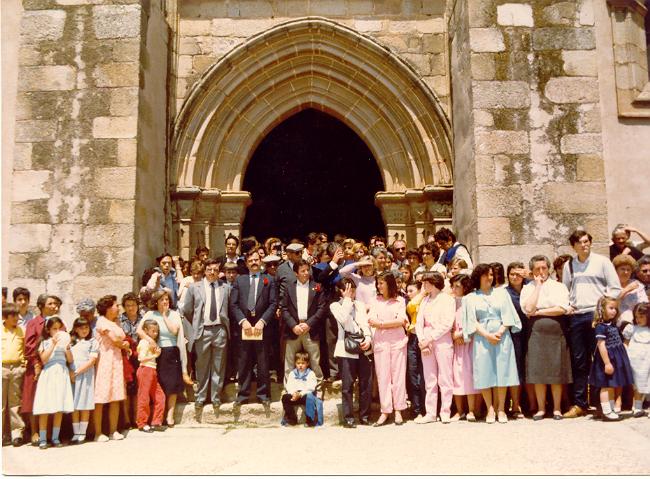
{"x":231,"y":244}
{"x":253,"y":302}
{"x":285,"y":274}
{"x":206,"y":307}
{"x":303,"y":310}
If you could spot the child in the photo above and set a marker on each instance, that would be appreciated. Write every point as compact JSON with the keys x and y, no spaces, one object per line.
{"x":414,"y":371}
{"x":148,"y":386}
{"x":611,"y":366}
{"x":53,"y":389}
{"x":13,"y":371}
{"x":637,"y":338}
{"x":301,"y":387}
{"x":84,"y":353}
{"x":21,"y":298}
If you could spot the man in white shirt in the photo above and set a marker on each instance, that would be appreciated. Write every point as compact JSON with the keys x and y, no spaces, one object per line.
{"x":303,"y":311}
{"x":588,"y":277}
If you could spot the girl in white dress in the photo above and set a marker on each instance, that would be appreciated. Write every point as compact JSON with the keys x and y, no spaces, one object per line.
{"x":53,"y":390}
{"x":637,"y":338}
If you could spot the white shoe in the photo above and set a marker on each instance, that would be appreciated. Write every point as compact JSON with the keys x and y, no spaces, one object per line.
{"x":101,"y":438}
{"x":445,"y":418}
{"x":117,"y":436}
{"x":426,"y":419}
{"x":612,"y":416}
{"x":502,"y":417}
{"x":417,"y":418}
{"x":458,"y":417}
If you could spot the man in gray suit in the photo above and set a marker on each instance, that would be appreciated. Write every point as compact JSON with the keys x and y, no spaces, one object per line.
{"x":206,"y":307}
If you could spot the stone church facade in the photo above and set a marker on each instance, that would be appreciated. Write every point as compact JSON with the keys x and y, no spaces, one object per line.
{"x":128,"y":125}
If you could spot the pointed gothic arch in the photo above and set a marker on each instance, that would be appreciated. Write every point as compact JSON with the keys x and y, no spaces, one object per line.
{"x":320,"y":64}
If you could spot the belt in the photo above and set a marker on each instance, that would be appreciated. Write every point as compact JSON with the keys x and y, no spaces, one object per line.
{"x":252,"y":314}
{"x":212,"y":325}
{"x":10,"y":364}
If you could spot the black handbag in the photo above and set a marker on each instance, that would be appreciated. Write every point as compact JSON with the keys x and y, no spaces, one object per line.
{"x":352,"y":341}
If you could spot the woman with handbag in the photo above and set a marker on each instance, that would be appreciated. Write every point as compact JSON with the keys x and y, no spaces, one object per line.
{"x":353,"y":351}
{"x":387,"y":316}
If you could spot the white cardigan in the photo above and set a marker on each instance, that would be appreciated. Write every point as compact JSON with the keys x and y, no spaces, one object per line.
{"x":346,"y":313}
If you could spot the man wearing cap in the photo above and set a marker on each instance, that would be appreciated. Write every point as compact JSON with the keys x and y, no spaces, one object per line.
{"x":285,"y":271}
{"x":303,"y":310}
{"x":253,"y":303}
{"x":271,"y":264}
{"x":86,"y":310}
{"x":206,"y":307}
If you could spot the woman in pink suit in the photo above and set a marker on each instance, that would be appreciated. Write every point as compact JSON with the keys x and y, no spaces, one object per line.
{"x":433,"y":327}
{"x":461,"y":285}
{"x":387,"y":316}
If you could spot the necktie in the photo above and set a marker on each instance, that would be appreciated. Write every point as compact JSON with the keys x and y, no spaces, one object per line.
{"x":213,"y":305}
{"x":251,"y":294}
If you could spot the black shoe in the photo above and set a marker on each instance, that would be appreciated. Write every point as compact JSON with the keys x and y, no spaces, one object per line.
{"x":349,"y":424}
{"x":17,"y":442}
{"x":364,"y":421}
{"x":159,"y":428}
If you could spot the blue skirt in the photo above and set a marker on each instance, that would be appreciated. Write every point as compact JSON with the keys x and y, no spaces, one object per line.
{"x":622,"y":376}
{"x":494,"y":365}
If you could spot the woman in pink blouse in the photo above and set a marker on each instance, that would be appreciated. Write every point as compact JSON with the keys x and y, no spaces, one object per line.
{"x":109,"y":375}
{"x":388,"y":318}
{"x":433,"y":327}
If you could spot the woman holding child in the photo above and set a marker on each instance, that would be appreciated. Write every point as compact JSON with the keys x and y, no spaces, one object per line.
{"x":170,"y":338}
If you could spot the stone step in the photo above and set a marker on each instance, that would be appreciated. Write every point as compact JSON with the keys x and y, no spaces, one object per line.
{"x":254,"y":414}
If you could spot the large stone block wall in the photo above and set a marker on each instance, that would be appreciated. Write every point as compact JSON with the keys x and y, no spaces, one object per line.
{"x":536,"y":120}
{"x":75,"y":154}
{"x":415,"y":30}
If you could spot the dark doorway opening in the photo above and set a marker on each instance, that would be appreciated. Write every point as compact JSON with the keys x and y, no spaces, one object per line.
{"x":312,"y":173}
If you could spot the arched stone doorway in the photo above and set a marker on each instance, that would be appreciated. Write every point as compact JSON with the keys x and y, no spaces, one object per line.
{"x":312,"y":173}
{"x":310,"y":63}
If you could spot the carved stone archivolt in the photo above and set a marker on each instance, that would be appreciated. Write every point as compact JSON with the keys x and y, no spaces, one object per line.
{"x":315,"y":63}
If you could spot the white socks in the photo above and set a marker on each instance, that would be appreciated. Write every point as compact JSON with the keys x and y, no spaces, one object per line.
{"x":607,"y":407}
{"x":75,"y":428}
{"x":638,"y":404}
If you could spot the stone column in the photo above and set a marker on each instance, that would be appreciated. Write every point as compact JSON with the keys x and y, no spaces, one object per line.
{"x":526,"y":127}
{"x":414,"y":214}
{"x":206,"y":216}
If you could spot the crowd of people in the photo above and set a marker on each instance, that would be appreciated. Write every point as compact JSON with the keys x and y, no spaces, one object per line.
{"x":431,"y":335}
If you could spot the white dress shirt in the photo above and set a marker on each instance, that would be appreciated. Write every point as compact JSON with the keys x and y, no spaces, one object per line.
{"x":302,"y":297}
{"x":552,"y":294}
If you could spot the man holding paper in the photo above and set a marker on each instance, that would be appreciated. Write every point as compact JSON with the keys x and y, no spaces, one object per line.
{"x":253,"y":302}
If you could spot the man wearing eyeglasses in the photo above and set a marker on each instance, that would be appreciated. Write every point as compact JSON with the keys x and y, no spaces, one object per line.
{"x":399,"y":253}
{"x":206,"y":307}
{"x":588,"y":276}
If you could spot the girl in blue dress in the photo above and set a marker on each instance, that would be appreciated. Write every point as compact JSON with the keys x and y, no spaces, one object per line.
{"x":488,"y":315}
{"x":53,"y":390}
{"x":84,"y":353}
{"x":610,"y":368}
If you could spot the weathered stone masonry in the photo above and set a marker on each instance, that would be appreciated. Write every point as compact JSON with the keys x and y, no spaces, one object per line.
{"x":532,"y":112}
